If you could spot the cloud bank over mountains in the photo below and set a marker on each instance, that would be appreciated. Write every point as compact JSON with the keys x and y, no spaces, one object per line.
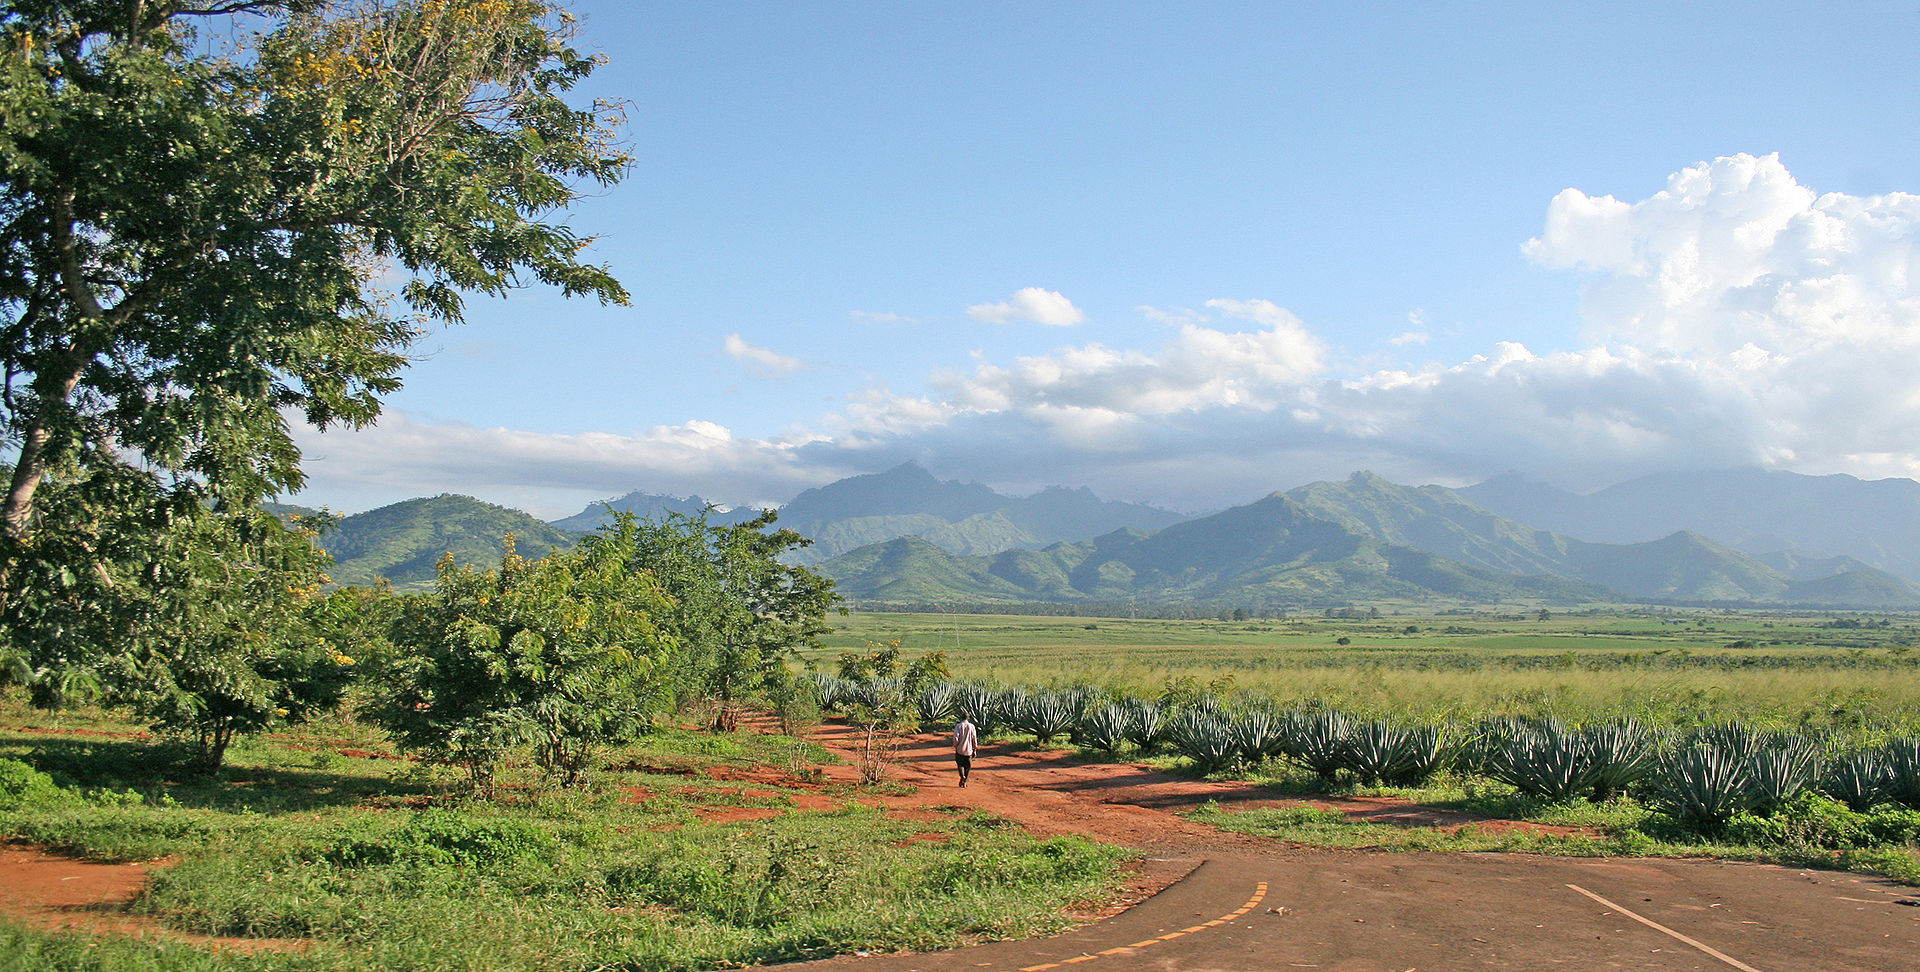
{"x":1734,"y":318}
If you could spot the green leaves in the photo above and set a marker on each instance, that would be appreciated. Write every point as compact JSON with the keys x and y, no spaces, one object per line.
{"x":562,"y":652}
{"x":192,"y":247}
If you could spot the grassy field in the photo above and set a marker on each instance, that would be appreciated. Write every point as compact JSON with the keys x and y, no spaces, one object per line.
{"x":1846,"y":672}
{"x":381,"y":863}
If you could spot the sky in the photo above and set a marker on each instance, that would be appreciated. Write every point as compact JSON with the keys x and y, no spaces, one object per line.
{"x":1189,"y":254}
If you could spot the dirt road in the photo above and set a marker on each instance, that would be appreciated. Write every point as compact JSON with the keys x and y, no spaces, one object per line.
{"x":1246,"y":904}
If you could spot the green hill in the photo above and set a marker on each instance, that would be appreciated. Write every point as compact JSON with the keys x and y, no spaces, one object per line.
{"x":1269,"y":554}
{"x":404,"y":541}
{"x":1683,"y":566}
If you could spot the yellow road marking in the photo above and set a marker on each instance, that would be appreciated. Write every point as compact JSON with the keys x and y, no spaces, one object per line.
{"x":1259,"y":893}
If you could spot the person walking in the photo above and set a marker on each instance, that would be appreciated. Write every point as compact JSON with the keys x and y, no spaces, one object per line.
{"x":966,"y":739}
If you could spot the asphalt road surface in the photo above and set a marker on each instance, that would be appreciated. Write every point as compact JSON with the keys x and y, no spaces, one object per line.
{"x":1349,"y":912}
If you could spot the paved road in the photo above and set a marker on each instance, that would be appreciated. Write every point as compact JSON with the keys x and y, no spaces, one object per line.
{"x":1341,"y":911}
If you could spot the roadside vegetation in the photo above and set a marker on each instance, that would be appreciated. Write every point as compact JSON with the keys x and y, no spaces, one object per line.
{"x":367,"y":861}
{"x":1829,"y":780}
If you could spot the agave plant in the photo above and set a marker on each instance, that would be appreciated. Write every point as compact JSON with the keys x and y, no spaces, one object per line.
{"x":1105,"y":728}
{"x":938,"y":702}
{"x":989,"y":707}
{"x":1858,"y":779}
{"x":835,"y":692}
{"x":1546,"y":760}
{"x":1257,"y":735}
{"x":1204,"y":737}
{"x":1734,"y":739}
{"x":1146,"y":724}
{"x":1318,"y":741}
{"x":881,"y":694}
{"x":1703,"y":786}
{"x":1418,"y":755}
{"x":1372,"y":750}
{"x":1046,"y":715}
{"x":1483,"y":740}
{"x":1785,"y":766}
{"x":1623,"y":754}
{"x":1903,"y":771}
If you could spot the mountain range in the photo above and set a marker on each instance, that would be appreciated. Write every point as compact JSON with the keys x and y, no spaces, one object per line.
{"x":903,"y":536}
{"x":1762,"y":512}
{"x":960,"y":518}
{"x":1358,"y":540}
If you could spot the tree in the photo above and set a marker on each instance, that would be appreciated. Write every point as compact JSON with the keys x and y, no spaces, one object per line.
{"x":738,"y":609}
{"x":215,"y":618}
{"x":562,"y":652}
{"x":192,"y":245}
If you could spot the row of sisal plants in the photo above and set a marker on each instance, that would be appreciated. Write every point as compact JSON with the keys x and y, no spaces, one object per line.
{"x":1701,"y":777}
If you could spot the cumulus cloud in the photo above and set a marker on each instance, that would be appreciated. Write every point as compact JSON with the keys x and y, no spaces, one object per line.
{"x":882,"y":317}
{"x":761,"y":360}
{"x":1805,"y":300}
{"x":1733,"y":318}
{"x":1172,"y":315}
{"x":1036,"y":304}
{"x":402,"y":457}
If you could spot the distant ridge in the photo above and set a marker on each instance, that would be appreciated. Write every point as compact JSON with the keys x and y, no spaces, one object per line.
{"x":1268,"y":554}
{"x":1362,"y":539}
{"x":644,"y":505}
{"x":903,"y":536}
{"x":959,"y":518}
{"x":1760,"y":512}
{"x":1681,"y":566}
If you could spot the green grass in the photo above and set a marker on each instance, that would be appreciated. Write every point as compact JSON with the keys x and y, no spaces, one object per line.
{"x":1623,"y":829}
{"x":383,"y":864}
{"x":1672,"y":668}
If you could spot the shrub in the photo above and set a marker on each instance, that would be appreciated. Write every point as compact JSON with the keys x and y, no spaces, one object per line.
{"x":23,"y":786}
{"x":448,"y":837}
{"x":1807,"y":820}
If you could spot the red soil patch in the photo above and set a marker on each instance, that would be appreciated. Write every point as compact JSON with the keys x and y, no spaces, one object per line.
{"x":60,"y":893}
{"x":1055,"y":791}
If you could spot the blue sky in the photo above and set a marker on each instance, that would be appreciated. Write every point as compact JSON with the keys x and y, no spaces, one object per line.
{"x":1191,"y":253}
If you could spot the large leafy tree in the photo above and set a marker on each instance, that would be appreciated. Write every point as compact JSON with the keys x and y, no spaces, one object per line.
{"x":216,"y":620}
{"x":208,"y":235}
{"x":192,"y":239}
{"x":740,"y":611}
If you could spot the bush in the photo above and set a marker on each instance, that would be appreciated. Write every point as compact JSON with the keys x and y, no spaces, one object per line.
{"x":23,"y":786}
{"x":448,"y":837}
{"x":1808,"y":820}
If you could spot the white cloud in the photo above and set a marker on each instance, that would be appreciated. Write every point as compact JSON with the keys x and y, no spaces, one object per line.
{"x":1036,"y":304}
{"x":882,"y":317}
{"x":1734,"y":318}
{"x":400,"y":457}
{"x":761,"y":360}
{"x":1405,"y":338}
{"x":1172,"y":315}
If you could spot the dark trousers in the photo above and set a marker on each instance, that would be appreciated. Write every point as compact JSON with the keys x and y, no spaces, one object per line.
{"x":965,"y":763}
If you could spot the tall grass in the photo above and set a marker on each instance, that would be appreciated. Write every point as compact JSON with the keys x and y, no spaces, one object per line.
{"x":1791,"y":672}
